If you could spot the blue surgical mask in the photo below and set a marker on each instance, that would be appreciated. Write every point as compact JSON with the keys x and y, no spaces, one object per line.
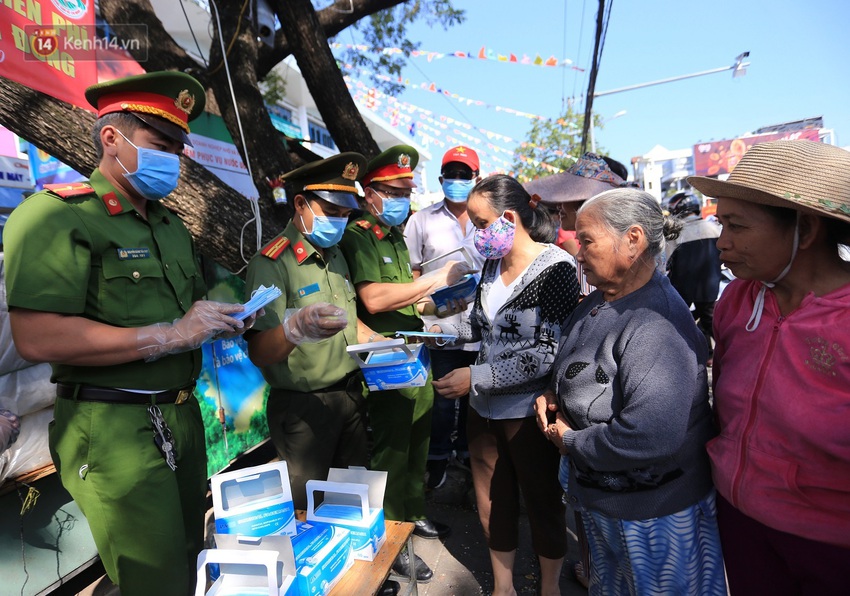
{"x":395,"y":209}
{"x":457,"y":191}
{"x":327,"y":231}
{"x":157,"y":172}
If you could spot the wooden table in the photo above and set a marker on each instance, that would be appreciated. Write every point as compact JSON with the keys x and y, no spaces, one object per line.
{"x":367,"y":577}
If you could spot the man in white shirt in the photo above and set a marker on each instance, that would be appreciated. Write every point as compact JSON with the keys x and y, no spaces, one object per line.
{"x":431,"y":234}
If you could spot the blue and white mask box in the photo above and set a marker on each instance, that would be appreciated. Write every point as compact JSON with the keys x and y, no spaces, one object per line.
{"x":392,"y":364}
{"x":255,"y":501}
{"x":322,"y":556}
{"x":353,"y":499}
{"x":310,"y":563}
{"x":249,"y":565}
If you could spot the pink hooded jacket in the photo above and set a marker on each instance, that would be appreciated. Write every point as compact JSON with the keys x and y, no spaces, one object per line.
{"x":782,"y":397}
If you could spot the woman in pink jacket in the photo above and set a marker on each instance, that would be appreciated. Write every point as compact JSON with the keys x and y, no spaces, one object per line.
{"x":781,"y":464}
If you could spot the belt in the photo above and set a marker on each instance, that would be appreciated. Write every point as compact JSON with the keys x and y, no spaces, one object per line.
{"x":342,"y":384}
{"x":117,"y":396}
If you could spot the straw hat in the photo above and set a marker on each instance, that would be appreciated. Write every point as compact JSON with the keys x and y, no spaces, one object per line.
{"x":803,"y":175}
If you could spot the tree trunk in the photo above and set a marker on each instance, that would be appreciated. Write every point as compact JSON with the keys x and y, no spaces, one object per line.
{"x":213,"y":212}
{"x":324,"y":80}
{"x":263,"y":146}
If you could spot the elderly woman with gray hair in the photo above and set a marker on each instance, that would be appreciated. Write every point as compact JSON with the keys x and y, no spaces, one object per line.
{"x":628,"y":408}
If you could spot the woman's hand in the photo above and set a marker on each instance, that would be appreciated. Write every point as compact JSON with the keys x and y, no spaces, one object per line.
{"x":431,"y":342}
{"x":455,"y":384}
{"x":545,"y":407}
{"x":453,"y":307}
{"x":555,"y":432}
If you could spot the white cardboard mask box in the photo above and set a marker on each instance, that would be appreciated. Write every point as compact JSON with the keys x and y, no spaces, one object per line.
{"x":353,"y":499}
{"x":392,"y":364}
{"x":310,"y":563}
{"x":255,"y":501}
{"x":249,"y":565}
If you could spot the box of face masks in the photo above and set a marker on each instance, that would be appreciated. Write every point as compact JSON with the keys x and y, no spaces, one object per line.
{"x":392,"y":364}
{"x":249,"y":565}
{"x":353,"y":499}
{"x":254,"y":501}
{"x":310,"y":563}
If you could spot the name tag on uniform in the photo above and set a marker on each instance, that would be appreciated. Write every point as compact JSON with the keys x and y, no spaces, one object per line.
{"x":387,"y":260}
{"x":307,"y":290}
{"x":125,"y":254}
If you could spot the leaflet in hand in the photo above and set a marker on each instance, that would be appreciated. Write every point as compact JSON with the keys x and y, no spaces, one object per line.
{"x":465,"y":288}
{"x":259,"y":298}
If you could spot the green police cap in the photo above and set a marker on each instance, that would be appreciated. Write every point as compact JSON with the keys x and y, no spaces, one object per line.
{"x":395,"y":163}
{"x":333,"y":179}
{"x":166,"y":100}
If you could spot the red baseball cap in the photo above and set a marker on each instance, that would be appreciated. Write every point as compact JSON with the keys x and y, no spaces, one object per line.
{"x":462,"y":154}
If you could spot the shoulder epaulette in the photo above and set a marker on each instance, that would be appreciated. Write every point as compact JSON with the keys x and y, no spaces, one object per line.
{"x":74,"y":189}
{"x":363,"y":224}
{"x":275,"y":248}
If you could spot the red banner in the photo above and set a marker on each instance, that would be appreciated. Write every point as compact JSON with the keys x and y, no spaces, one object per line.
{"x":50,"y":46}
{"x":719,"y":157}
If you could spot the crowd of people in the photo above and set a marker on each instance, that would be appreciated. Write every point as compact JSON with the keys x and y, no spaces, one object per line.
{"x":578,"y":379}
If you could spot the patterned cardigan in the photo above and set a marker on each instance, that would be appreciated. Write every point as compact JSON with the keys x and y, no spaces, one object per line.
{"x":518,"y":347}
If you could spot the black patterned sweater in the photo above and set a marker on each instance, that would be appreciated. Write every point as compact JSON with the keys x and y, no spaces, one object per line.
{"x":518,"y":347}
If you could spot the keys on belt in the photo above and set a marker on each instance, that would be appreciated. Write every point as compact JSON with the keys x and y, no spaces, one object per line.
{"x":162,"y":437}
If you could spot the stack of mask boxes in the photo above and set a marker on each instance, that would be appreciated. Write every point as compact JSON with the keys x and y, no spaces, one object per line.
{"x":260,"y":544}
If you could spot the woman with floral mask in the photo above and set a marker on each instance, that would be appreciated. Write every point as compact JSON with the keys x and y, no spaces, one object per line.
{"x":527,"y":291}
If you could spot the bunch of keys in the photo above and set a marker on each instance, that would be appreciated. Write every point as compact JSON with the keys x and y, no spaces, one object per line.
{"x":162,"y":437}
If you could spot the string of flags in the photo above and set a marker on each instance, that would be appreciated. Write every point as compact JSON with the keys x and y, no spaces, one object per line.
{"x":437,"y":130}
{"x":374,"y":98}
{"x":433,"y":88}
{"x":483,"y":54}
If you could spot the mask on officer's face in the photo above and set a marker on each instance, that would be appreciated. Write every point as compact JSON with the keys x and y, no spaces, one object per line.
{"x":157,"y":172}
{"x":327,"y":231}
{"x":395,"y":210}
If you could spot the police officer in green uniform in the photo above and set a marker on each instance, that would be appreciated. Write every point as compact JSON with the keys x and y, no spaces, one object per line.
{"x":387,"y":296}
{"x":103,"y":282}
{"x":316,"y":408}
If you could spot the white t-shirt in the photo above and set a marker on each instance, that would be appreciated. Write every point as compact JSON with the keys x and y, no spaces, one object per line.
{"x":499,"y":292}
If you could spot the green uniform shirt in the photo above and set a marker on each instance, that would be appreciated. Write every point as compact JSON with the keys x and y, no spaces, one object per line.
{"x":305,"y":277}
{"x":93,"y":255}
{"x":376,"y":253}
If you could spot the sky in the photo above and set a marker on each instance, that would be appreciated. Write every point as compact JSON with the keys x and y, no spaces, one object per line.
{"x":799,"y":55}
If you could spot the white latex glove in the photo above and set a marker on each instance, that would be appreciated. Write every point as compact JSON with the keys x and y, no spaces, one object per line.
{"x":10,"y":427}
{"x":314,"y":322}
{"x":447,"y":275}
{"x":204,"y":320}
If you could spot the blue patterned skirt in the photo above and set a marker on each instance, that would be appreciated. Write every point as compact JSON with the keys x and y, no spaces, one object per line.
{"x":678,"y":554}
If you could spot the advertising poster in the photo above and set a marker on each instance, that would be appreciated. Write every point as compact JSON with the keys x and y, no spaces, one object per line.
{"x":49,"y":45}
{"x":47,"y":169}
{"x":719,"y":157}
{"x":230,"y":388}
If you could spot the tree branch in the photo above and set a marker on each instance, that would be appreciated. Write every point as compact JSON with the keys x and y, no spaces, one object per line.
{"x":332,"y":20}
